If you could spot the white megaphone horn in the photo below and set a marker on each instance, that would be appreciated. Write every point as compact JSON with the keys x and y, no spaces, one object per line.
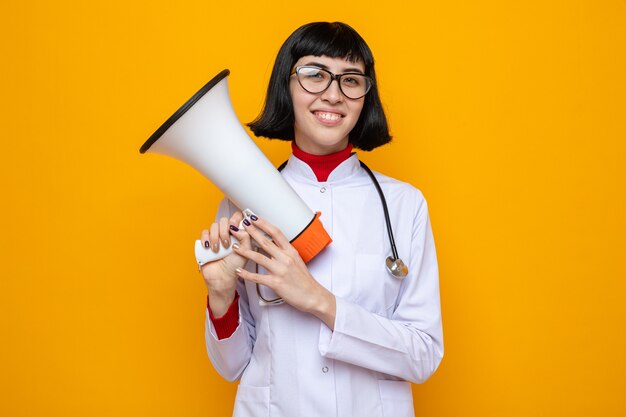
{"x":206,"y":134}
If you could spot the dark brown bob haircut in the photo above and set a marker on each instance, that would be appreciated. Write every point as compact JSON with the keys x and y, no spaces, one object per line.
{"x":335,"y":40}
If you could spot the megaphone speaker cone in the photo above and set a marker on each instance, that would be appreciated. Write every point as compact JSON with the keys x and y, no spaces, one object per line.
{"x":182,"y":110}
{"x":206,"y":134}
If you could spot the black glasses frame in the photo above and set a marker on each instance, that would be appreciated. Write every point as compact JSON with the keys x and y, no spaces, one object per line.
{"x":332,"y":78}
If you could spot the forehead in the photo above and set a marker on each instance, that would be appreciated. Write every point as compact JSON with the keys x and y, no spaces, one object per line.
{"x":332,"y":64}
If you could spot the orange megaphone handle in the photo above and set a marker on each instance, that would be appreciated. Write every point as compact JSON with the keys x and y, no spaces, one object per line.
{"x":312,"y":239}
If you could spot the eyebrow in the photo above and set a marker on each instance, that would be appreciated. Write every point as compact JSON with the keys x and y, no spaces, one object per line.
{"x":345,"y":70}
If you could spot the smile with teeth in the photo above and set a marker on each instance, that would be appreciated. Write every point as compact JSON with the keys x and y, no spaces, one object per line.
{"x":328,"y":116}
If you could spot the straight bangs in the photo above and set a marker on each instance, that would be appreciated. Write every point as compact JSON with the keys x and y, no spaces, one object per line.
{"x":333,"y":40}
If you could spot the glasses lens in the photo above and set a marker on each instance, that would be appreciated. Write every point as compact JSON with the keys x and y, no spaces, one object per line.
{"x":354,"y":85}
{"x":313,"y":79}
{"x":316,"y":80}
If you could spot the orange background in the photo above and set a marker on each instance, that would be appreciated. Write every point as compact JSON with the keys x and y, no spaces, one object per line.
{"x":509,"y":116}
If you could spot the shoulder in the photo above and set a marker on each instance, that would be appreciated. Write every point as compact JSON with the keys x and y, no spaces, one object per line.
{"x":406,"y":204}
{"x":401,"y":191}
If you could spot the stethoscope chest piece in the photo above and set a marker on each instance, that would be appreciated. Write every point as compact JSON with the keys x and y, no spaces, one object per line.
{"x":396,"y":267}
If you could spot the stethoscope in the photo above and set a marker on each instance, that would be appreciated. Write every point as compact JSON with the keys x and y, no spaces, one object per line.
{"x":396,"y":267}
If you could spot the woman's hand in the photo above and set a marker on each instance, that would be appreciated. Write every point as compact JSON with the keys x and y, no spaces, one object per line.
{"x":220,"y":276}
{"x":287,"y":273}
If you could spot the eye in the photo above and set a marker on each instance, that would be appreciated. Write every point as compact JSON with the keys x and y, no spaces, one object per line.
{"x":312,"y":74}
{"x":352,"y":80}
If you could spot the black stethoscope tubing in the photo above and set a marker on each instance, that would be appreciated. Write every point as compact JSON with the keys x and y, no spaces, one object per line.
{"x":383,"y":201}
{"x":278,"y":301}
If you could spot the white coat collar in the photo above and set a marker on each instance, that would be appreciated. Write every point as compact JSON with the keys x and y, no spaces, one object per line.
{"x":299,"y":169}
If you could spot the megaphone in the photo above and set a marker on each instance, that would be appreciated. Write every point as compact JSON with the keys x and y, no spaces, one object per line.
{"x":206,"y":134}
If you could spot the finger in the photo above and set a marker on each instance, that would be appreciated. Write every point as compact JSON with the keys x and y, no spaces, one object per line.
{"x":242,"y":236}
{"x":204,"y":238}
{"x":235,"y":221}
{"x":224,"y":233}
{"x":274,"y":232}
{"x":255,"y":256}
{"x":236,"y":218}
{"x":254,"y":277}
{"x":263,"y":241}
{"x":214,"y":238}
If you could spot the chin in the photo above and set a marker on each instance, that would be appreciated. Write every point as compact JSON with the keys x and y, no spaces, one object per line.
{"x":332,"y":144}
{"x":322,"y":140}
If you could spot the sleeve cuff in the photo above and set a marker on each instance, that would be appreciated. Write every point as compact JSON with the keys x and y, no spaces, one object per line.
{"x":329,"y":338}
{"x":226,"y":325}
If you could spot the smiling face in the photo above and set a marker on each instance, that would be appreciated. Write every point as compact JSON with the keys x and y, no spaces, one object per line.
{"x":323,"y":121}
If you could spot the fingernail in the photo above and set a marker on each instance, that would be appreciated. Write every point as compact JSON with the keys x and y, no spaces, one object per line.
{"x":238,"y":270}
{"x":206,"y":244}
{"x":246,"y":222}
{"x":254,"y":218}
{"x":234,"y":228}
{"x":216,"y":247}
{"x":226,"y":243}
{"x":235,"y":246}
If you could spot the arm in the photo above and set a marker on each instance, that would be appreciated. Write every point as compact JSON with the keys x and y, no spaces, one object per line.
{"x":231,"y":355}
{"x":409,"y":344}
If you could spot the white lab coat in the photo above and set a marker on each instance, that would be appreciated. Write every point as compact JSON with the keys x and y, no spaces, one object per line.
{"x":387,"y":331}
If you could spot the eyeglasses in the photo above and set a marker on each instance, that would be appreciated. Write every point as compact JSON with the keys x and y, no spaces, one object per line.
{"x":316,"y":80}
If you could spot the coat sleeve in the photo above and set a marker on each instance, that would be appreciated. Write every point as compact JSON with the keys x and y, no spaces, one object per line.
{"x":230,"y":356}
{"x":409,"y":344}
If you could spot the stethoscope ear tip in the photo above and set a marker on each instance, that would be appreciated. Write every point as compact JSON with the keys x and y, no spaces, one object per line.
{"x":396,"y":267}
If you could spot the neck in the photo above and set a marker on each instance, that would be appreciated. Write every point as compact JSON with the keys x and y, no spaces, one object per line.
{"x":322,"y":165}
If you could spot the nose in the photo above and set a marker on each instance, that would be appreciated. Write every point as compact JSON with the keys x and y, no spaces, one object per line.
{"x":333,"y":93}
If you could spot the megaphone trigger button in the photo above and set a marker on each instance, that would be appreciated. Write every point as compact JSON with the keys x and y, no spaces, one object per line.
{"x":249,"y":215}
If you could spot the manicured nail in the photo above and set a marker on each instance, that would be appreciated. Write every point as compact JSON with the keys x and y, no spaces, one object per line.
{"x":234,"y":228}
{"x":235,"y":246}
{"x":246,"y":222}
{"x":254,"y":218}
{"x":216,"y":247}
{"x":225,"y":243}
{"x":238,"y":270}
{"x":206,"y":244}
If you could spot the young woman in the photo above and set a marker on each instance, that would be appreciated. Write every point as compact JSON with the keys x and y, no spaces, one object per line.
{"x":349,"y":336}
